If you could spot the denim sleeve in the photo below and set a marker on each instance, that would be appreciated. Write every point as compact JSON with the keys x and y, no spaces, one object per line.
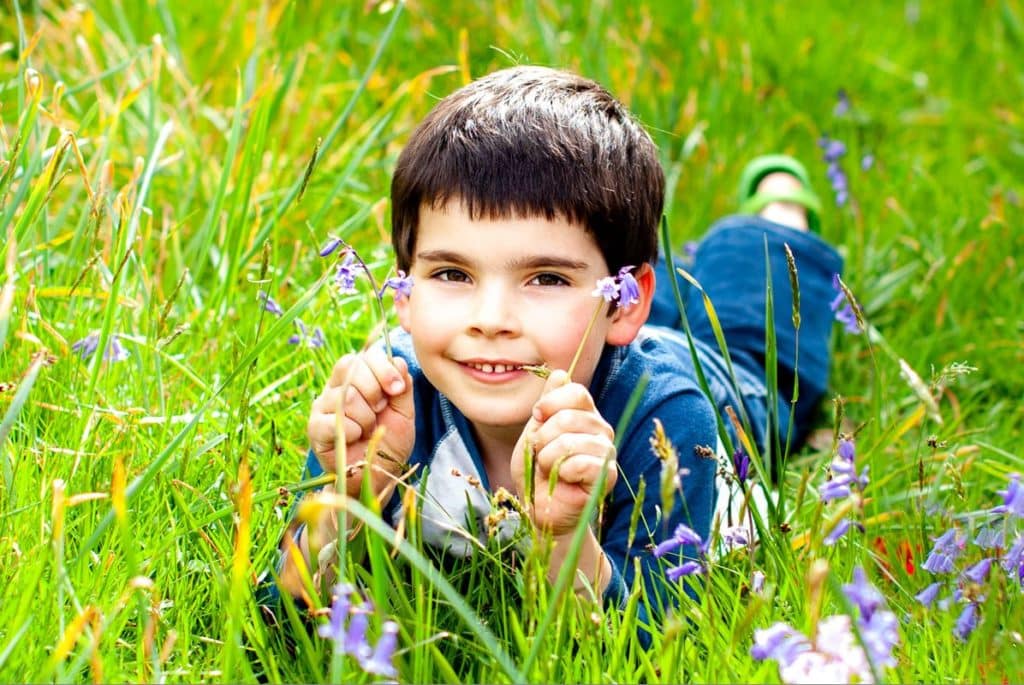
{"x":689,"y":423}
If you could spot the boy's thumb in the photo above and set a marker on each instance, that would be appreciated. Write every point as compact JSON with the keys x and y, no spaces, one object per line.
{"x":556,"y":379}
{"x":403,"y":402}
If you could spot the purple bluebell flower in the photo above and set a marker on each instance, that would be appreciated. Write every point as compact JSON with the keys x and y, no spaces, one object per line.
{"x":833,"y":151}
{"x":355,"y":642}
{"x":757,"y":581}
{"x":989,"y":537}
{"x":780,"y":642}
{"x":345,"y":278}
{"x":880,"y":635}
{"x":928,"y":595}
{"x":837,"y":488}
{"x":867,"y":162}
{"x":967,"y":621}
{"x":1013,"y":498}
{"x":334,"y":629}
{"x":687,"y":568}
{"x":939,"y":562}
{"x":401,"y":284}
{"x":1014,"y":558}
{"x":979,"y":571}
{"x":269,"y":304}
{"x":842,"y":308}
{"x":332,"y":244}
{"x":300,"y":336}
{"x":629,"y":289}
{"x":741,"y":463}
{"x":736,"y":536}
{"x":683,"y":535}
{"x":863,"y":594}
{"x":381,"y":661}
{"x":842,"y":107}
{"x":607,"y":288}
{"x":878,"y":625}
{"x":315,"y":340}
{"x":838,"y":531}
{"x":944,"y":553}
{"x":87,"y":346}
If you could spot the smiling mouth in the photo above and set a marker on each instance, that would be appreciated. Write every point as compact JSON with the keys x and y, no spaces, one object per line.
{"x":494,"y":368}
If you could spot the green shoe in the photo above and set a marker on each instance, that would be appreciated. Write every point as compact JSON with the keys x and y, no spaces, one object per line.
{"x":752,"y":202}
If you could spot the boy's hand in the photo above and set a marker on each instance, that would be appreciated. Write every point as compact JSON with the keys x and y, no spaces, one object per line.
{"x":565,"y":429}
{"x":379,"y":393}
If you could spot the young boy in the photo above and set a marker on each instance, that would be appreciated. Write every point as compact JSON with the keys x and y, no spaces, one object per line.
{"x":512,"y":199}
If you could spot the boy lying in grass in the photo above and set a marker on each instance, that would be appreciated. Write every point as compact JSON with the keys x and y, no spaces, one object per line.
{"x":518,"y":202}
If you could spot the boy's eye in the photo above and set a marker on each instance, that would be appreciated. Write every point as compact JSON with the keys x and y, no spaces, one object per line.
{"x":451,"y":276}
{"x":548,"y":279}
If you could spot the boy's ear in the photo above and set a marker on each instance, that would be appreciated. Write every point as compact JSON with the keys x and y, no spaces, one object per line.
{"x":626,"y":322}
{"x":402,"y":310}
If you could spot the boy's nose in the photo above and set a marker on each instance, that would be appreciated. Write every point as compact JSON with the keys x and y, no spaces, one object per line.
{"x":494,"y":313}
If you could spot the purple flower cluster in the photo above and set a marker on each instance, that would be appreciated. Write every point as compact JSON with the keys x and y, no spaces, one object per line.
{"x":844,"y":482}
{"x":950,"y":546}
{"x":843,"y":309}
{"x":741,"y":464}
{"x":400,"y":284}
{"x":316,"y":340}
{"x":683,"y":535}
{"x":842,"y":107}
{"x":347,"y":629}
{"x":87,"y":346}
{"x":345,"y":278}
{"x":834,"y":656}
{"x":621,"y":289}
{"x":269,"y":304}
{"x":877,"y":625}
{"x":832,"y":152}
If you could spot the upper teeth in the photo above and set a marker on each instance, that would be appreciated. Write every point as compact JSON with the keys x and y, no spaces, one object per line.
{"x":494,"y":368}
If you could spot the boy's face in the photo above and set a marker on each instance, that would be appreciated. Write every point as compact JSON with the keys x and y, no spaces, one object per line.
{"x":493,"y":295}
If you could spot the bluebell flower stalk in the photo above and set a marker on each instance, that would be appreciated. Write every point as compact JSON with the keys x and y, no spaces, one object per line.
{"x":87,"y":346}
{"x":345,"y":279}
{"x":621,"y":289}
{"x":347,"y":628}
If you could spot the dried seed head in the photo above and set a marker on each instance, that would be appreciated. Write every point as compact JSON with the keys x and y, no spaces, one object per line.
{"x":541,"y":371}
{"x":34,"y":83}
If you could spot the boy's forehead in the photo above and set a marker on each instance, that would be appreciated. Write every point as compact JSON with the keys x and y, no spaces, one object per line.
{"x":449,"y":231}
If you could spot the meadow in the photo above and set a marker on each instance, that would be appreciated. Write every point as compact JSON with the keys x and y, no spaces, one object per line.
{"x":164,"y":163}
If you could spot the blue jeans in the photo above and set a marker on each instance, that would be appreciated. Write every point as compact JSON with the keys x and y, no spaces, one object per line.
{"x":731,"y":264}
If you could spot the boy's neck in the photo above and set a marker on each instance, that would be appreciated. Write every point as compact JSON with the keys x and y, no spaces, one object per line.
{"x":496,"y":445}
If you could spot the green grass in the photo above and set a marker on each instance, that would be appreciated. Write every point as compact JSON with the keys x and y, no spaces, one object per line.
{"x":196,"y":190}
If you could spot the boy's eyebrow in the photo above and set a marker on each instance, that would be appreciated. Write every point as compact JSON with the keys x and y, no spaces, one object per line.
{"x":539,"y":261}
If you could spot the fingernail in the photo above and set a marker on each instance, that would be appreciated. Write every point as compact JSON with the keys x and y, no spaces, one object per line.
{"x":396,"y":386}
{"x":381,"y":405}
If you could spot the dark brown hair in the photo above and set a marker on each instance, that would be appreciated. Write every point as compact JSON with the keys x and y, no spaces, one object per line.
{"x":533,"y":141}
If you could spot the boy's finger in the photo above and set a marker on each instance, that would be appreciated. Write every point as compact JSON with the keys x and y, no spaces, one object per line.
{"x":358,"y":410}
{"x":570,"y":445}
{"x":403,"y":403}
{"x":585,"y":469}
{"x":340,"y":370}
{"x":386,"y":371}
{"x":572,"y":421}
{"x":567,"y":396}
{"x":322,"y":432}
